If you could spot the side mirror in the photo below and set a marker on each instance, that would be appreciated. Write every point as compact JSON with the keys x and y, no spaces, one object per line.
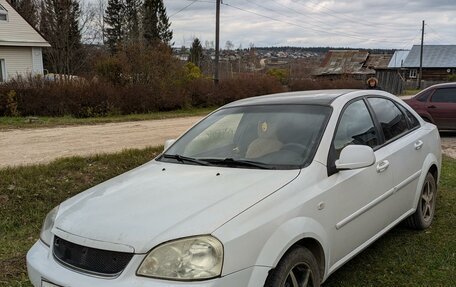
{"x":169,"y":143}
{"x":355,"y":156}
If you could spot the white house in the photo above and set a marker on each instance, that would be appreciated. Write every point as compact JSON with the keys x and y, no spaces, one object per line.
{"x":20,"y":45}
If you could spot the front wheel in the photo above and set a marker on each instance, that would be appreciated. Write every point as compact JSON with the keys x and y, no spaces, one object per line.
{"x":298,"y":268}
{"x":424,"y":214}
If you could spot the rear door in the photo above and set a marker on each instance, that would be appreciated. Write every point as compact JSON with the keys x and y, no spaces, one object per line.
{"x":442,"y":107}
{"x":406,"y":143}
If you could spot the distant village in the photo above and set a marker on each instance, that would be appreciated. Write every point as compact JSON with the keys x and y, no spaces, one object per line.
{"x":396,"y":69}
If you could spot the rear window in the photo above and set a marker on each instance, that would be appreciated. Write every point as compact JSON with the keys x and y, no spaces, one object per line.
{"x":391,"y":119}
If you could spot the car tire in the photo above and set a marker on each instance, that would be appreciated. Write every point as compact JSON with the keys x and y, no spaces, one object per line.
{"x":297,"y":268}
{"x":424,"y":214}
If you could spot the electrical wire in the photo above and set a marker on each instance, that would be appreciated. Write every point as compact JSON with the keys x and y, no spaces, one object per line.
{"x":314,"y":29}
{"x":194,"y":1}
{"x":435,"y":35}
{"x":353,"y":34}
{"x":345,"y":18}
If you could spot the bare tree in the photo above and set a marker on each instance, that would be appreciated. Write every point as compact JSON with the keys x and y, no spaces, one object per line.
{"x":229,"y":45}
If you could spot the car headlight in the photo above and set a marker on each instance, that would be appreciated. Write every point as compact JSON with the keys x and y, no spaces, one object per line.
{"x":193,"y":258}
{"x":46,"y":235}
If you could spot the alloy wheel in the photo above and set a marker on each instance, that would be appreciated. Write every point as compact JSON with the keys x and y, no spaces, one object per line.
{"x":299,"y":276}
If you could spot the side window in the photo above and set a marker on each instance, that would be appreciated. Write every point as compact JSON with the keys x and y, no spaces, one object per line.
{"x":3,"y":13}
{"x":413,"y":121}
{"x":424,"y":95}
{"x":444,"y":95}
{"x":355,"y":127}
{"x":391,"y":119}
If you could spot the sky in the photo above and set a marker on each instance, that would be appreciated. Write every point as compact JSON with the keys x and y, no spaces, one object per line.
{"x":391,"y":24}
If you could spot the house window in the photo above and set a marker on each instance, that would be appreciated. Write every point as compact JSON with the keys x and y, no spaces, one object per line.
{"x":2,"y":71}
{"x":3,"y":13}
{"x":413,"y":73}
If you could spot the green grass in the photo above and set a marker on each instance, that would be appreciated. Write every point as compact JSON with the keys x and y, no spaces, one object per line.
{"x":24,"y":122}
{"x":402,"y":257}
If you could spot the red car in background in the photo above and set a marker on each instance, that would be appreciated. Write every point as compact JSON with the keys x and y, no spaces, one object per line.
{"x":437,"y":104}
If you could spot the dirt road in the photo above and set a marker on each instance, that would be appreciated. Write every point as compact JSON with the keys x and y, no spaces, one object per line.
{"x":32,"y":146}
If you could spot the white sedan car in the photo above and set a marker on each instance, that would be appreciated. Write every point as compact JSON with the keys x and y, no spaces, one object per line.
{"x":274,"y":191}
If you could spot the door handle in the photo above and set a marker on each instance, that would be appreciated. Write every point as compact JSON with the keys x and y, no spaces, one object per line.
{"x":419,"y":145}
{"x":382,"y":166}
{"x":432,"y":107}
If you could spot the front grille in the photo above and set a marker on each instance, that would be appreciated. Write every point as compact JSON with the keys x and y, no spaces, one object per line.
{"x":90,"y":260}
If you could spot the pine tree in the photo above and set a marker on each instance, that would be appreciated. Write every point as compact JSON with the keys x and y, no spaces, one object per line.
{"x":59,"y":23}
{"x":196,"y":52}
{"x":114,"y":18}
{"x":27,"y":9}
{"x":131,"y":18}
{"x":156,"y":23}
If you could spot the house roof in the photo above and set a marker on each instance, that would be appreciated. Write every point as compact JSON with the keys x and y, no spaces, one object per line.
{"x":375,"y":61}
{"x":338,"y":62}
{"x":342,"y":62}
{"x":398,"y":59}
{"x":434,"y":56}
{"x":16,"y":31}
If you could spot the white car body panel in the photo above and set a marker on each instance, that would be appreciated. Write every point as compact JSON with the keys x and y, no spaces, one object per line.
{"x":161,"y":185}
{"x":257,"y":214}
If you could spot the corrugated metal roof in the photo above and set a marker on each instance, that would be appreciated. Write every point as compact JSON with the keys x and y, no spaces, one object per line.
{"x":434,"y":56}
{"x":339,"y":62}
{"x":378,"y":61}
{"x":398,"y":59}
{"x":343,"y":62}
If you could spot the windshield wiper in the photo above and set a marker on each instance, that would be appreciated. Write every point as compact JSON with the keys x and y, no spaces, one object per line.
{"x":238,"y":162}
{"x":184,"y":159}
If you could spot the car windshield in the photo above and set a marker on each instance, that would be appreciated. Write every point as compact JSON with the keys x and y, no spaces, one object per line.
{"x":266,"y":136}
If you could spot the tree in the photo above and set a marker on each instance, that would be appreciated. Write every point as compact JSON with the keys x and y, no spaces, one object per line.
{"x":27,"y":9}
{"x":229,"y":45}
{"x":131,"y":20}
{"x":113,"y":20}
{"x":59,"y":24}
{"x":196,"y":53}
{"x":156,"y":23}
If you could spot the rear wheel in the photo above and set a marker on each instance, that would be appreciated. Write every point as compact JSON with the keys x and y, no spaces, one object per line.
{"x":298,"y":268}
{"x":424,"y":214}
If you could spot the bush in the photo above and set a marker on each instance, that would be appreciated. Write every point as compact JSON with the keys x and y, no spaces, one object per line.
{"x":38,"y":97}
{"x":203,"y":93}
{"x":279,"y":74}
{"x":8,"y":103}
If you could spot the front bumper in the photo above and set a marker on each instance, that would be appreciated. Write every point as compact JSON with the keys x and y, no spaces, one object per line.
{"x":41,"y":265}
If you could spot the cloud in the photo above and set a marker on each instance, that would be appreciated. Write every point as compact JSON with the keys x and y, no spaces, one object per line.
{"x":348,"y":23}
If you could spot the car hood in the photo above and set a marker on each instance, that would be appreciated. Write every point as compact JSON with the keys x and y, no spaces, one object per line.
{"x":160,"y":201}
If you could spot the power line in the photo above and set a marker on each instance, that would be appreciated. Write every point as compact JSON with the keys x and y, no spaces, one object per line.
{"x":345,"y":18}
{"x":354,"y":34}
{"x":435,"y":35}
{"x":303,"y":27}
{"x":194,"y":1}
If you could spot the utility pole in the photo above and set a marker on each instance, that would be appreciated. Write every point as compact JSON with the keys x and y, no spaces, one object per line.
{"x":217,"y":42}
{"x":420,"y":76}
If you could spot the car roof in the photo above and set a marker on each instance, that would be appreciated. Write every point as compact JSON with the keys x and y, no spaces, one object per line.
{"x":443,"y":85}
{"x":316,"y":97}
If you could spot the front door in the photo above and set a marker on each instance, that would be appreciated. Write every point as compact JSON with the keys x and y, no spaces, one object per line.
{"x":356,"y":198}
